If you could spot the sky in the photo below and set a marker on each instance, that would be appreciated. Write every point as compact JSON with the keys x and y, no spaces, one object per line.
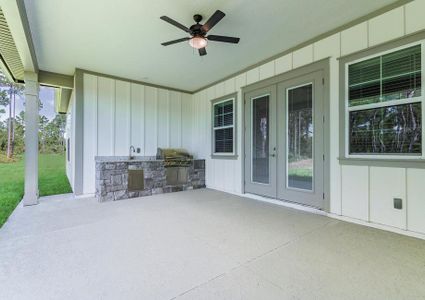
{"x":47,"y":97}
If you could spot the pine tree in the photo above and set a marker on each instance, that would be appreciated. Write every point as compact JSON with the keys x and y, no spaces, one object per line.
{"x":8,"y":95}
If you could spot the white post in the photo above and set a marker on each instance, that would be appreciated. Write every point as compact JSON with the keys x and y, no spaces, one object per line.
{"x":31,"y":139}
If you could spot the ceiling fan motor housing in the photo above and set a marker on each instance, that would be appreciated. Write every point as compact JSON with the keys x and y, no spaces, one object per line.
{"x":197,"y":18}
{"x":196,"y":30}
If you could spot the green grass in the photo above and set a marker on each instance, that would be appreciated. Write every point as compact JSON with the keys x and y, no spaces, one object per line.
{"x":52,"y":175}
{"x":301,"y":172}
{"x":52,"y":181}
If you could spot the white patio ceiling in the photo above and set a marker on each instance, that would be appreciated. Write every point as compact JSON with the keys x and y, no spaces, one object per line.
{"x":122,"y":38}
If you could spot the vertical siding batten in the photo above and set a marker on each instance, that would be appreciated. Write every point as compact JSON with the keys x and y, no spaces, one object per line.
{"x":210,"y":170}
{"x":90,"y":131}
{"x":238,"y":178}
{"x":105,"y":116}
{"x":174,"y":121}
{"x":122,"y":118}
{"x":163,"y":118}
{"x":137,"y":117}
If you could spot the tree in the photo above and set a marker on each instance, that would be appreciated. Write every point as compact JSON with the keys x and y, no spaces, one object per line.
{"x":19,"y":127}
{"x":52,"y":134}
{"x":9,"y":92}
{"x":42,"y":123}
{"x":4,"y":101}
{"x":12,"y":128}
{"x":3,"y":136}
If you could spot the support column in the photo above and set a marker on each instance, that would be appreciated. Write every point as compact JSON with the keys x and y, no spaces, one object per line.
{"x":31,"y":138}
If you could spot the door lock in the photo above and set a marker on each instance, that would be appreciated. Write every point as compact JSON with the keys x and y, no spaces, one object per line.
{"x":273,"y":155}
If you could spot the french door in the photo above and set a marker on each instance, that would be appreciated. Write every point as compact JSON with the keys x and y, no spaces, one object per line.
{"x":260,"y":142}
{"x":284,"y":140}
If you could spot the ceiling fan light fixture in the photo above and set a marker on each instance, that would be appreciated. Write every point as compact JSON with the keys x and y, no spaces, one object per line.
{"x":197,"y":32}
{"x":198,"y":42}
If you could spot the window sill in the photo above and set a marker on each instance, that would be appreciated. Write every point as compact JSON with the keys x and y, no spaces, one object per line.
{"x":224,"y":156}
{"x":415,"y":163}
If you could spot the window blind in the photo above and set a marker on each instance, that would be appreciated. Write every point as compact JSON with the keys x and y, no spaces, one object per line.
{"x":223,"y":127}
{"x":389,"y":77}
{"x":377,"y":126}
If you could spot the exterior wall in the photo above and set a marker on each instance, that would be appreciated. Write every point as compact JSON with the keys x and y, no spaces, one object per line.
{"x":70,"y":133}
{"x":359,"y":192}
{"x":118,"y":114}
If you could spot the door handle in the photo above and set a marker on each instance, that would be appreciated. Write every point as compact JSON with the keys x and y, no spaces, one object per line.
{"x":274,"y":154}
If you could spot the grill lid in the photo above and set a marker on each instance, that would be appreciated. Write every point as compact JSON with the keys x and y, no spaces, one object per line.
{"x":174,"y":157}
{"x":172,"y":154}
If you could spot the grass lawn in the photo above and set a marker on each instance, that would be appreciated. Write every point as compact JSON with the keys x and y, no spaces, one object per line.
{"x":52,"y":181}
{"x":301,"y":172}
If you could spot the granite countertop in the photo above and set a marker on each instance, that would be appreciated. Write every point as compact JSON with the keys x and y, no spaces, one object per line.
{"x":125,"y":158}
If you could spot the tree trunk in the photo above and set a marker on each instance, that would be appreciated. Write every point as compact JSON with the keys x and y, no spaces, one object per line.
{"x":9,"y":129}
{"x":13,"y":123}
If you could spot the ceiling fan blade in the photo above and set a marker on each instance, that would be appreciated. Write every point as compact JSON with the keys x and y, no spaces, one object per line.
{"x":175,"y":23}
{"x":213,"y":20}
{"x":202,"y":51}
{"x":175,"y":41}
{"x":225,"y":39}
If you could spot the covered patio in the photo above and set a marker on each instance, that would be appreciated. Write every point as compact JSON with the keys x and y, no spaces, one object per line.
{"x":200,"y":244}
{"x":270,"y":150}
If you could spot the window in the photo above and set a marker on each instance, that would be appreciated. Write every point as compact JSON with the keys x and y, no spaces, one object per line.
{"x":223,"y":131}
{"x":384,"y":104}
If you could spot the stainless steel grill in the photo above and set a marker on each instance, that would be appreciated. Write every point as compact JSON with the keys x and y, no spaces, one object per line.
{"x":174,"y":157}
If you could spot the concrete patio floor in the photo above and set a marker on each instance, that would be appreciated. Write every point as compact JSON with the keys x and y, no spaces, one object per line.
{"x":201,"y":244}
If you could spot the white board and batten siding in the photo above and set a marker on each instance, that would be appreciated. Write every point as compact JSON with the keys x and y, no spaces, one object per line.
{"x":358,"y":192}
{"x":118,"y":114}
{"x":70,"y":134}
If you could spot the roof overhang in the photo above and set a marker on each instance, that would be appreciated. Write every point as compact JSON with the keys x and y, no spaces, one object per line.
{"x":17,"y":54}
{"x":10,"y":60}
{"x":20,"y":56}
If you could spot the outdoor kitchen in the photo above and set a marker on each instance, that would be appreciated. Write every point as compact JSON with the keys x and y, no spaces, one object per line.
{"x":171,"y":170}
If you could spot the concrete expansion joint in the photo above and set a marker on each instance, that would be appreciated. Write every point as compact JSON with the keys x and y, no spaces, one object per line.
{"x":200,"y":285}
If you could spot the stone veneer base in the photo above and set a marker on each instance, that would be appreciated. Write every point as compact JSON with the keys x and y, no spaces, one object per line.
{"x":112,"y":178}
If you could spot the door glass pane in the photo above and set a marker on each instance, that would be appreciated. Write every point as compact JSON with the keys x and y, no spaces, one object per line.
{"x":300,"y":138}
{"x":260,"y":139}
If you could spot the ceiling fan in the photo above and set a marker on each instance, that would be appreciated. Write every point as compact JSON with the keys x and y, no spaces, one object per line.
{"x":199,"y":39}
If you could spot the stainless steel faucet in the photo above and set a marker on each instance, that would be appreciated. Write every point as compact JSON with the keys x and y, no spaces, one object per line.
{"x":130,"y":155}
